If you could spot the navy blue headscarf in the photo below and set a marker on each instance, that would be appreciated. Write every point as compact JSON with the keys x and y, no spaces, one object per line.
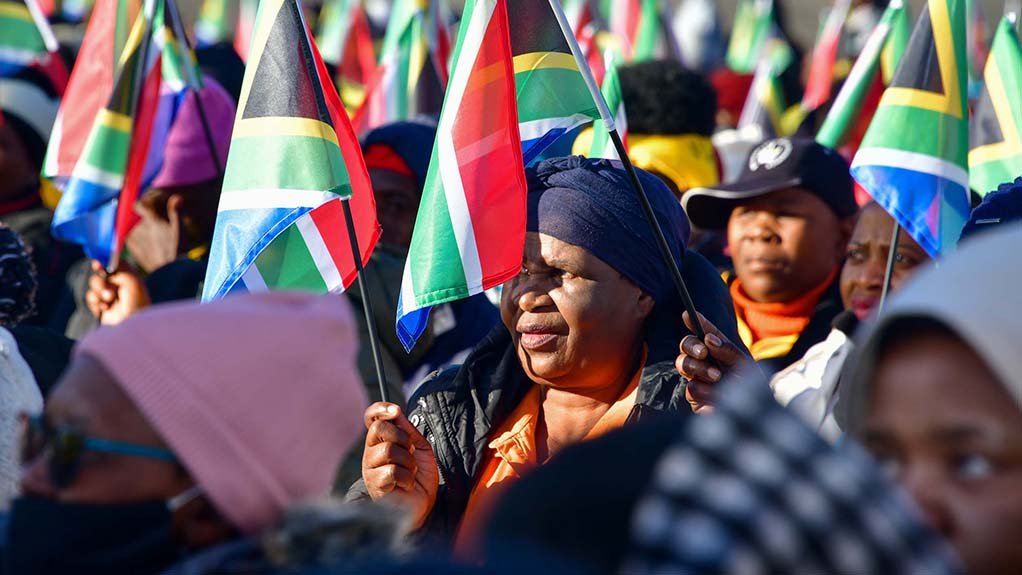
{"x":591,"y":204}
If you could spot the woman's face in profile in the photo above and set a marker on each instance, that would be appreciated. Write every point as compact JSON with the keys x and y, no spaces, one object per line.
{"x":575,"y":321}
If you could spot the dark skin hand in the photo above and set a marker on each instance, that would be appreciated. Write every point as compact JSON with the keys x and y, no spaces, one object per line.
{"x":115,"y":297}
{"x":398,"y":464}
{"x":704,"y":362}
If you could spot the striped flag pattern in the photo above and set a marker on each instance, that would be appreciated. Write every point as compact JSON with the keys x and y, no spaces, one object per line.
{"x":753,"y":26}
{"x":21,"y":42}
{"x":552,"y":95}
{"x":765,"y":107}
{"x":116,"y":147}
{"x":901,"y":30}
{"x":602,"y":146}
{"x":848,"y":105}
{"x":90,"y":86}
{"x":821,"y":71}
{"x":214,"y":23}
{"x":996,"y":129}
{"x":412,"y":72}
{"x":920,"y":175}
{"x":636,"y":23}
{"x":293,"y":158}
{"x":344,"y":40}
{"x":470,"y":229}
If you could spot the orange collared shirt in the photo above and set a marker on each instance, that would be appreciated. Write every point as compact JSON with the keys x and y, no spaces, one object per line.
{"x":513,"y":452}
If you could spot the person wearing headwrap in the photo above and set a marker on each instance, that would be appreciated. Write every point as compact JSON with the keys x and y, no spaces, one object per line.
{"x":935,"y":393}
{"x":28,"y":105}
{"x":169,"y":244}
{"x":187,"y":428}
{"x":590,"y":328}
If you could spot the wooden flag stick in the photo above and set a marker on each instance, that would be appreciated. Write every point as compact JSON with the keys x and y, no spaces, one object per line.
{"x":640,"y":192}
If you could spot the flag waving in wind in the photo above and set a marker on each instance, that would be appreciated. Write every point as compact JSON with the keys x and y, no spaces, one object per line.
{"x":849,"y":105}
{"x":996,"y":129}
{"x":913,"y":158}
{"x":470,"y":230}
{"x":552,"y":96}
{"x":89,"y":89}
{"x":293,"y":157}
{"x":753,"y":26}
{"x":116,"y":148}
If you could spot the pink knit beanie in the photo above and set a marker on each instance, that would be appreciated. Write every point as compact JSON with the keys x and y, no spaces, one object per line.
{"x":258,"y":395}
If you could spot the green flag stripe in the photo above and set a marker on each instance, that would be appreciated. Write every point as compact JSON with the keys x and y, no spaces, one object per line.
{"x":287,"y":264}
{"x":1009,"y":64}
{"x":107,"y":149}
{"x":20,"y":34}
{"x":552,"y":93}
{"x":284,"y":161}
{"x":950,"y":147}
{"x":433,"y":241}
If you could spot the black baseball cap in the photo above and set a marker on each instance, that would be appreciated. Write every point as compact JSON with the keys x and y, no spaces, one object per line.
{"x":771,"y":166}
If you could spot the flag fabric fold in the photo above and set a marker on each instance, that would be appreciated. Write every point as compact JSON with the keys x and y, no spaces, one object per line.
{"x":849,"y":104}
{"x":821,"y":70}
{"x":753,"y":27}
{"x":293,"y":157}
{"x":913,"y":160}
{"x":602,"y":146}
{"x":116,"y":148}
{"x":89,"y":87}
{"x":412,"y":72}
{"x":995,"y":156}
{"x":470,"y":229}
{"x":551,"y":93}
{"x":345,"y":41}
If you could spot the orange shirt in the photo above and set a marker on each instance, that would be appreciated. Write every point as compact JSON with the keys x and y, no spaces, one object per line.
{"x":513,"y":452}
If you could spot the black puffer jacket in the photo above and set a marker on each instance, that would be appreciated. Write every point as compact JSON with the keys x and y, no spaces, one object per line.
{"x":458,"y":408}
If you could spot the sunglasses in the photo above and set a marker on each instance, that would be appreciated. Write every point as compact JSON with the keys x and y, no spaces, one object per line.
{"x":65,"y":447}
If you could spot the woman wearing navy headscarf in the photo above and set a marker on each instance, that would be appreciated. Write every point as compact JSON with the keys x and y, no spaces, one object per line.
{"x":591,"y":327}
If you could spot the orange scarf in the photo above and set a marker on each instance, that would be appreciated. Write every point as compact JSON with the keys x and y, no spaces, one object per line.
{"x":774,"y":320}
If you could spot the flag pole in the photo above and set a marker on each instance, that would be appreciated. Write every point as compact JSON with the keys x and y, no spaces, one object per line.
{"x":889,"y":272}
{"x":367,"y":304}
{"x":349,"y":220}
{"x":193,"y":84}
{"x":140,"y":66}
{"x":640,"y":193}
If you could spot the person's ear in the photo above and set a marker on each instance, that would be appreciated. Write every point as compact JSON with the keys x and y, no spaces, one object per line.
{"x":199,"y":525}
{"x":645,"y":304}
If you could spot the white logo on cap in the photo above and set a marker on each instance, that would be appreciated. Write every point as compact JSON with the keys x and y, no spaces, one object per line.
{"x":770,"y":154}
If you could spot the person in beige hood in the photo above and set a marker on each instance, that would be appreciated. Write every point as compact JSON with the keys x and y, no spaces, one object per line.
{"x":935,"y":393}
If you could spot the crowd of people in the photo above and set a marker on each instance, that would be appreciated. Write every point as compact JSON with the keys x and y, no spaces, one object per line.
{"x":843,"y":413}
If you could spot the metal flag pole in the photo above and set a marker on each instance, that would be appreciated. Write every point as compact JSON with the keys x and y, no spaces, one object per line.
{"x":892,"y":255}
{"x":640,"y":193}
{"x":193,"y":85}
{"x":349,"y":220}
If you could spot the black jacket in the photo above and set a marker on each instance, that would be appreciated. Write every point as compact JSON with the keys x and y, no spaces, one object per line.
{"x":458,"y":408}
{"x":819,"y":327}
